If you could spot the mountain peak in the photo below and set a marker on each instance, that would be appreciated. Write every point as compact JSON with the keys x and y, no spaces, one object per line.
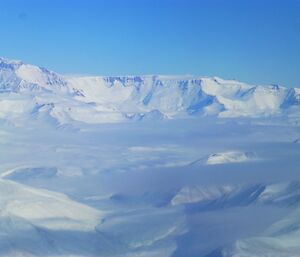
{"x":9,"y":64}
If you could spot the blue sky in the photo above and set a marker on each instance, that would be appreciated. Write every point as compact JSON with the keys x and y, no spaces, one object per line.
{"x":256,"y":41}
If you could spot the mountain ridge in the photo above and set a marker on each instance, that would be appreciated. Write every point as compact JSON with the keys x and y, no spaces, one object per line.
{"x":106,"y":99}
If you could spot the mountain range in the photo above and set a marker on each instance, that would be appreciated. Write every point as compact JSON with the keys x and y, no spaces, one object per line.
{"x":32,"y":92}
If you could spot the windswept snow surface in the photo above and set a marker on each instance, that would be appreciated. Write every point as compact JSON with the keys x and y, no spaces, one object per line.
{"x":146,"y":166}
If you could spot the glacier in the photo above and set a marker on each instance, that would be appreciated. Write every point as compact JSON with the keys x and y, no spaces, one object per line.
{"x":146,"y":166}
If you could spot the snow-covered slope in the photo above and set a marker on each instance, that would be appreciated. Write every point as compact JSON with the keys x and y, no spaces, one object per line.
{"x":28,"y":91}
{"x":45,"y":209}
{"x":280,"y":194}
{"x":229,"y":157}
{"x":282,"y":239}
{"x":198,"y":194}
{"x":36,"y":222}
{"x":232,"y":156}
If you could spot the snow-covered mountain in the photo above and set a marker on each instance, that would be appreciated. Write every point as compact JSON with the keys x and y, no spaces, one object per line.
{"x":174,"y":188}
{"x":281,"y":238}
{"x":28,"y":91}
{"x":43,"y":219}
